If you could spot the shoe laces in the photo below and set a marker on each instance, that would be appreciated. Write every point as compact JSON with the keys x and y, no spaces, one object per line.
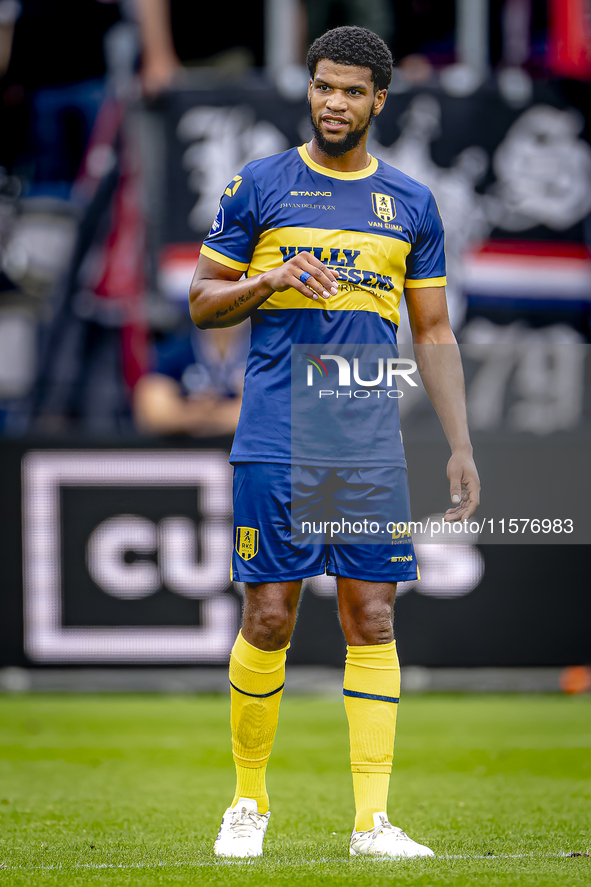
{"x":244,"y":821}
{"x":383,"y":827}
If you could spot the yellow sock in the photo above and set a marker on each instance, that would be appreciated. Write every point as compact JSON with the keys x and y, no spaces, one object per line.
{"x":371,"y":689}
{"x":256,"y":680}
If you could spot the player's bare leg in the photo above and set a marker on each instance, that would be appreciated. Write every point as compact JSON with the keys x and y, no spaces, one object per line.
{"x":269,"y":613}
{"x":366,"y":611}
{"x":372,"y":690}
{"x":257,"y":676}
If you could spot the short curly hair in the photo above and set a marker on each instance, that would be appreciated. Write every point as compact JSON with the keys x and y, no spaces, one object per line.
{"x":351,"y":45}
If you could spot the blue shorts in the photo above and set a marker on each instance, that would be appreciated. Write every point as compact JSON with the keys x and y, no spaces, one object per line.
{"x":294,"y":521}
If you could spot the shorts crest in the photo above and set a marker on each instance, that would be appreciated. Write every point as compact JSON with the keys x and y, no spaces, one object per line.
{"x":247,"y":542}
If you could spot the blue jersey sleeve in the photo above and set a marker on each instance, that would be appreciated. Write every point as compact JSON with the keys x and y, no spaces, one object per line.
{"x":236,"y":227}
{"x":425,"y":265}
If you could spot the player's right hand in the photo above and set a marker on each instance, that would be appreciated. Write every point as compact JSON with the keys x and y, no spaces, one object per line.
{"x":319,"y":281}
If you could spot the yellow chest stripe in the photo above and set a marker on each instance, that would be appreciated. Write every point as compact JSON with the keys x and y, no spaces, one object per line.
{"x":371,"y":268}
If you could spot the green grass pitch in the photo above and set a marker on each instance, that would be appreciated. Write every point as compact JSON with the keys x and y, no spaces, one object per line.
{"x":105,"y":790}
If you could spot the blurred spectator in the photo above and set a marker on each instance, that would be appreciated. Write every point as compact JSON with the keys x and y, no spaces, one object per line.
{"x":160,"y":62}
{"x":416,"y":68}
{"x":196,"y":384}
{"x":70,"y":73}
{"x":56,"y":70}
{"x":55,"y":56}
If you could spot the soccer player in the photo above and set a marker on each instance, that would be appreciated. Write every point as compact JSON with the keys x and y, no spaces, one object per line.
{"x":316,"y":245}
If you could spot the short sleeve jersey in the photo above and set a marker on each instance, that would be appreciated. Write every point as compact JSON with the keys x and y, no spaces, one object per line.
{"x":378,"y":230}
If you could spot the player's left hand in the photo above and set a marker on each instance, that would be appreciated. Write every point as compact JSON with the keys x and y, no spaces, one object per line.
{"x":464,"y":486}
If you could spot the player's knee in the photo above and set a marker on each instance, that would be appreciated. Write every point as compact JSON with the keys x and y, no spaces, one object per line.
{"x":273,"y":627}
{"x":374,"y":623}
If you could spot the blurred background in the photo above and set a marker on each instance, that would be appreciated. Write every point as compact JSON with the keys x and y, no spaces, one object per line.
{"x":121,"y":123}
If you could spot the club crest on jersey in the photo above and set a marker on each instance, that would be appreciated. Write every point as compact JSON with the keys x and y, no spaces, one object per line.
{"x":247,"y":542}
{"x":383,"y":206}
{"x":233,"y":186}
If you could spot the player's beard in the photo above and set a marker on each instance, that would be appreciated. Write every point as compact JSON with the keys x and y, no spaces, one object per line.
{"x":344,"y":145}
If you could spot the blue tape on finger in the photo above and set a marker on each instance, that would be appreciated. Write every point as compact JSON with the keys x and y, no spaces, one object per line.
{"x":304,"y":276}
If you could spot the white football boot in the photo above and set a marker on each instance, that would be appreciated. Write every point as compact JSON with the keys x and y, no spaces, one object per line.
{"x":386,"y":841}
{"x":242,"y":831}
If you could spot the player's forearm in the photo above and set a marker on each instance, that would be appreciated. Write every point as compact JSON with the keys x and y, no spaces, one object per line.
{"x":219,"y":303}
{"x":440,"y":367}
{"x":219,"y":298}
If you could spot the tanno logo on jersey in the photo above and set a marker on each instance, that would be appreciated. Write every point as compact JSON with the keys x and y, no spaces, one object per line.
{"x":233,"y":186}
{"x":407,"y":558}
{"x":311,"y":193}
{"x":247,"y":542}
{"x":383,"y":206}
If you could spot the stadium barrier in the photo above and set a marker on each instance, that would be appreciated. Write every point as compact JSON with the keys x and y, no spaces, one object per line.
{"x":119,"y":555}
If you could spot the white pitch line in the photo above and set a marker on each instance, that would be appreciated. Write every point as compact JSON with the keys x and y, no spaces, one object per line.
{"x":562,"y":855}
{"x":151,"y":865}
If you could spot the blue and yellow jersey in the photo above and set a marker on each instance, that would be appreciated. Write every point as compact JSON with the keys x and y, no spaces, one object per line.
{"x":378,"y":230}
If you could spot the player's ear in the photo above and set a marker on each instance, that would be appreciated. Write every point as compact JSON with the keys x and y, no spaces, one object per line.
{"x":310,"y":88}
{"x":379,"y":100}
